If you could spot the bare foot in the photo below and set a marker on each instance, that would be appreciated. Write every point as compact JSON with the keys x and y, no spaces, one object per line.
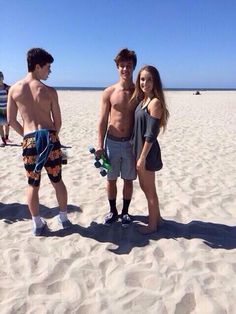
{"x":150,"y":229}
{"x":147,"y":229}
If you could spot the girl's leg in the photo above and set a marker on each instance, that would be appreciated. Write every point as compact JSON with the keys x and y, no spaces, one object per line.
{"x":147,"y":184}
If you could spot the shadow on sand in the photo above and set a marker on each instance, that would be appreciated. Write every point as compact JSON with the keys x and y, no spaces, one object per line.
{"x":11,"y":213}
{"x":213,"y":234}
{"x":13,"y":145}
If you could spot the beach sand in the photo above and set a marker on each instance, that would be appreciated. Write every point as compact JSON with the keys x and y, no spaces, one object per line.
{"x":187,"y":267}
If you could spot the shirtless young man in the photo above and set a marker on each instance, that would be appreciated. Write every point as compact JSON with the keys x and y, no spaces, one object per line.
{"x":40,"y":112}
{"x":115,"y":127}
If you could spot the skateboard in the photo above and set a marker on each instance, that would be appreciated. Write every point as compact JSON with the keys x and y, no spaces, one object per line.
{"x":64,"y":156}
{"x":101,"y":163}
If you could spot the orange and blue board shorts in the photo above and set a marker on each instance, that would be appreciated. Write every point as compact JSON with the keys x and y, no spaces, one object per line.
{"x":53,"y":163}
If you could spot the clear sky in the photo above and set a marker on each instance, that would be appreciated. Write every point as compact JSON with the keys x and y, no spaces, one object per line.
{"x":191,"y":42}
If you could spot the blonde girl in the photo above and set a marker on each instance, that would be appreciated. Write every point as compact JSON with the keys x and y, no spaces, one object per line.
{"x":151,"y":115}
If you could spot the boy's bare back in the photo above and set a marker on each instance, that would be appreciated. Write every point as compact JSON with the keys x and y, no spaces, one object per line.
{"x":37,"y":104}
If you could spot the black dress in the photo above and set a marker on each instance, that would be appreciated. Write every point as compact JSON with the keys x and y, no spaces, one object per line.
{"x":146,"y":128}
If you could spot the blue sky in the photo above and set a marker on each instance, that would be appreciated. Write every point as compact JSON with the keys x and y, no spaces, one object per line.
{"x":191,"y":42}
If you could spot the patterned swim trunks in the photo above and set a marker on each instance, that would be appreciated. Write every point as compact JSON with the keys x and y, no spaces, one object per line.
{"x":53,"y":162}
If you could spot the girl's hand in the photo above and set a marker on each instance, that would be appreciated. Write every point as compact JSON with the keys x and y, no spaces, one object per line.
{"x":140,"y":164}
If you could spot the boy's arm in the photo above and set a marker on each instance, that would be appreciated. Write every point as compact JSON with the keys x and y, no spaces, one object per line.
{"x":105,"y":108}
{"x":12,"y":110}
{"x":56,"y":111}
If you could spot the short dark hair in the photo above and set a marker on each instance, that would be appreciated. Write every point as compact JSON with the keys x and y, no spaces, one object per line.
{"x":1,"y":74}
{"x":126,"y":55}
{"x":38,"y":56}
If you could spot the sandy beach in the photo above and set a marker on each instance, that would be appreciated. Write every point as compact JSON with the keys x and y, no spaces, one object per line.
{"x":188,"y":266}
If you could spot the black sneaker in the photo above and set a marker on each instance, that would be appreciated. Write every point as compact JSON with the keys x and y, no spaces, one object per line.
{"x":125,"y":220}
{"x":110,"y":218}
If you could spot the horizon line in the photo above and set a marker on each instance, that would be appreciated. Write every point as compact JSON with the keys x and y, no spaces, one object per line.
{"x":167,"y":88}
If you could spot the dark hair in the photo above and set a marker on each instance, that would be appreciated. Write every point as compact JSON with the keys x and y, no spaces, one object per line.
{"x":38,"y":56}
{"x":157,"y":90}
{"x":126,"y":55}
{"x":1,"y":74}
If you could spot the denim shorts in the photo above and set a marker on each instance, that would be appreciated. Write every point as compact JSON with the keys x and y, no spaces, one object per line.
{"x":122,"y":159}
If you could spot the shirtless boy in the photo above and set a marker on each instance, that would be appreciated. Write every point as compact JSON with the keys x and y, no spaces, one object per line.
{"x":114,"y":132}
{"x":40,"y":112}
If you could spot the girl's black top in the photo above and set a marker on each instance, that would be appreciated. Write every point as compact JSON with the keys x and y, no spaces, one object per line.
{"x":146,"y":128}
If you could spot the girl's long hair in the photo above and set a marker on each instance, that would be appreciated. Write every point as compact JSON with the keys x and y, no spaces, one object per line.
{"x":138,"y":94}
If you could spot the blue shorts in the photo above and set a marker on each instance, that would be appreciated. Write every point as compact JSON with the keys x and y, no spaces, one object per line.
{"x":3,"y":116}
{"x":122,"y":159}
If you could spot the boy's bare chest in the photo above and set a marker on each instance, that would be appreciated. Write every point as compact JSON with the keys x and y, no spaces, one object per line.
{"x":121,"y":101}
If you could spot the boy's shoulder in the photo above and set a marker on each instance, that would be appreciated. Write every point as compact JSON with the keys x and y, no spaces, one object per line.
{"x":108,"y":91}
